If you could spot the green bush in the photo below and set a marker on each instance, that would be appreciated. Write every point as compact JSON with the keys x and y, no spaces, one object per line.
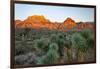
{"x":49,"y":45}
{"x":68,"y":42}
{"x":90,"y":41}
{"x":23,"y":47}
{"x":41,"y":45}
{"x":89,"y":37}
{"x":79,"y":42}
{"x":51,"y":56}
{"x":86,"y":33}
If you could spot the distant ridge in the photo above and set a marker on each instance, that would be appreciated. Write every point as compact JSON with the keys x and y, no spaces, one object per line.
{"x":39,"y":21}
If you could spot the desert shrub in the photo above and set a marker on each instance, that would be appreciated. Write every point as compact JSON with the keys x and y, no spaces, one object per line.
{"x":53,"y":46}
{"x":60,"y":39}
{"x":23,"y":47}
{"x":61,"y":43}
{"x":41,"y":45}
{"x":68,"y":45}
{"x":18,"y":38}
{"x":79,"y":43}
{"x":20,"y":49}
{"x":53,"y":38}
{"x":86,"y":33}
{"x":51,"y":56}
{"x":90,"y":41}
{"x":89,"y":37}
{"x":29,"y":58}
{"x":68,"y":42}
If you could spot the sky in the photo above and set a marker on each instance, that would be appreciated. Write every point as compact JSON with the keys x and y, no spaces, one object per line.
{"x":54,"y":13}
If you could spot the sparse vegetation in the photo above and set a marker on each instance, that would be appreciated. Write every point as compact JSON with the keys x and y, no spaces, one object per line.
{"x":53,"y":46}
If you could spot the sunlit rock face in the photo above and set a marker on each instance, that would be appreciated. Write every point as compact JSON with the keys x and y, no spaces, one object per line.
{"x":69,"y":23}
{"x":39,"y":21}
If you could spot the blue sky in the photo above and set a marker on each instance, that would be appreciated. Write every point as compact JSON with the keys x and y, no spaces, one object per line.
{"x":54,"y":13}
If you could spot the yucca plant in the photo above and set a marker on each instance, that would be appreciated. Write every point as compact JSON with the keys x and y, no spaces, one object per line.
{"x":90,"y":41}
{"x":68,"y":45}
{"x":86,"y":33}
{"x":63,"y":42}
{"x":41,"y":45}
{"x":89,"y":37}
{"x":51,"y":56}
{"x":79,"y":43}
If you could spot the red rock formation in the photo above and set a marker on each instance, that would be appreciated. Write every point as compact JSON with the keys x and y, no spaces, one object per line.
{"x":69,"y":23}
{"x":87,"y":25}
{"x":17,"y":22}
{"x":39,"y":21}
